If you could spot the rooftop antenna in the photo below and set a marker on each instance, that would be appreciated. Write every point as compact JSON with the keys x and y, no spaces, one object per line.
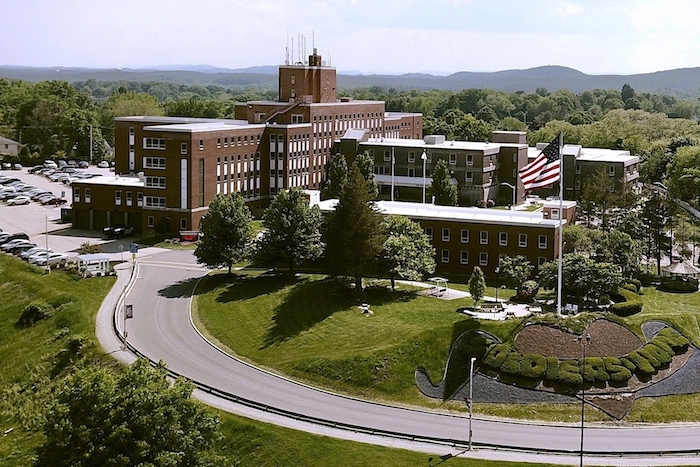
{"x":286,"y":51}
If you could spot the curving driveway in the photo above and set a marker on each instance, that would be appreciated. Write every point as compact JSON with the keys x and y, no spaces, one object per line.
{"x":161,"y":330}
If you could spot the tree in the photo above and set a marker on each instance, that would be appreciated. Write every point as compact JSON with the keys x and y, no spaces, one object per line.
{"x":627,"y":92}
{"x":407,"y":252}
{"x":353,"y":236}
{"x":136,"y":418}
{"x":576,"y":239}
{"x":127,"y":104}
{"x":683,"y":174}
{"x":598,"y":190}
{"x":656,"y":218}
{"x":365,"y":164}
{"x":293,"y":235}
{"x":336,"y":176}
{"x":516,"y":269}
{"x":227,"y":232}
{"x":620,"y":249}
{"x":477,"y":285}
{"x":441,"y":187}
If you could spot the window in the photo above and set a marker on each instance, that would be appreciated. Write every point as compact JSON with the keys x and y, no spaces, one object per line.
{"x":128,"y":198}
{"x":611,"y":170}
{"x":464,"y":234}
{"x":155,"y":182}
{"x":218,"y":142}
{"x":387,"y":156}
{"x":578,"y":168}
{"x":484,"y":237}
{"x":445,"y":256}
{"x":445,"y":235}
{"x":183,"y":148}
{"x":411,"y":172}
{"x":297,"y":118}
{"x":542,"y":242}
{"x":155,"y":201}
{"x":503,"y":238}
{"x":226,"y":142}
{"x":201,"y":144}
{"x":555,"y":213}
{"x":483,"y":259}
{"x":469,"y":176}
{"x":463,"y":257}
{"x":154,"y":143}
{"x":154,"y":162}
{"x":429,"y":232}
{"x":470,"y":159}
{"x":118,"y":197}
{"x":411,"y":156}
{"x":453,"y":159}
{"x":76,"y":195}
{"x":183,"y":224}
{"x":522,"y":240}
{"x":87,"y":195}
{"x":151,"y":221}
{"x":293,"y":79}
{"x":577,"y":185}
{"x":540,"y":261}
{"x":139,"y":199}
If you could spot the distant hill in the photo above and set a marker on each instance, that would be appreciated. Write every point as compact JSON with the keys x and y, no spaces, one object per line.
{"x":684,"y":82}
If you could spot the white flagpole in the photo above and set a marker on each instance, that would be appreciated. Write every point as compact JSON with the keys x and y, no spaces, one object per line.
{"x":561,"y":223}
{"x":393,"y":162}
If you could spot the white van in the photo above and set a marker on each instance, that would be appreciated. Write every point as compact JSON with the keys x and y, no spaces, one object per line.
{"x":50,"y":164}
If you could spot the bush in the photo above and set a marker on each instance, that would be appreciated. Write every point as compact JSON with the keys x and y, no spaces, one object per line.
{"x":632,"y":304}
{"x":631,"y":287}
{"x":34,"y":312}
{"x":637,"y":283}
{"x":88,"y":248}
{"x":678,"y":343}
{"x":641,"y":364}
{"x":569,"y":373}
{"x":594,"y":370}
{"x":656,"y":351}
{"x":527,"y":291}
{"x":496,"y":355}
{"x":533,"y":366}
{"x":513,"y":364}
{"x":618,"y":373}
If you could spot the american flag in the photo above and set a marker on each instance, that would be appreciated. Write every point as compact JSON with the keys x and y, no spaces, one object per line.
{"x":544,"y":170}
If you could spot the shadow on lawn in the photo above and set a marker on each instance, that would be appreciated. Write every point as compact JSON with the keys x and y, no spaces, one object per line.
{"x":244,"y":287}
{"x":310,"y":303}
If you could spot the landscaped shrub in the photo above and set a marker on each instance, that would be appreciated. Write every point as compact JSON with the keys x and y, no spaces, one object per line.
{"x":527,"y":291}
{"x":552,"y":368}
{"x":641,"y":364}
{"x":533,"y":366}
{"x":34,"y":312}
{"x":631,"y":287}
{"x":616,"y":370}
{"x":677,"y":342}
{"x":496,"y":355}
{"x":631,"y":306}
{"x":637,"y":283}
{"x":654,"y":352}
{"x":569,"y":373}
{"x":513,"y":364}
{"x":476,"y":347}
{"x":594,"y":370}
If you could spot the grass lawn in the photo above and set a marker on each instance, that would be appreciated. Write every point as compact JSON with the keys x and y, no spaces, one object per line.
{"x":310,"y":328}
{"x":33,"y":362}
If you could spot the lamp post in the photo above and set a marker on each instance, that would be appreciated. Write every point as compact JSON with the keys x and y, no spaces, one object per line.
{"x":512,"y":188}
{"x":471,"y":393}
{"x":393,"y":163}
{"x":497,"y":271}
{"x":424,"y":158}
{"x":584,"y":342}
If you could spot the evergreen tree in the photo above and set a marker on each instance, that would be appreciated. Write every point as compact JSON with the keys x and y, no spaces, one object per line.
{"x":353,"y":236}
{"x":337,"y":175}
{"x":293,"y":235}
{"x":441,"y":187}
{"x":477,"y":285}
{"x":227,"y":232}
{"x":365,"y":163}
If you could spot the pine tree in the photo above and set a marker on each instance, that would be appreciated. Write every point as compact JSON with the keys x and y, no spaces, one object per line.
{"x":477,"y":285}
{"x":442,"y":188}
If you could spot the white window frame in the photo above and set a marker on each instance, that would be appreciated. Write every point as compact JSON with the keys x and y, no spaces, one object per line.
{"x":611,"y":170}
{"x":76,"y":195}
{"x":154,"y":163}
{"x":411,"y":156}
{"x":464,"y":235}
{"x":155,"y":201}
{"x":578,"y":169}
{"x":387,"y":156}
{"x":155,"y":182}
{"x":151,"y":221}
{"x":470,"y":159}
{"x":503,"y":238}
{"x":183,"y":148}
{"x":453,"y":158}
{"x":522,"y":240}
{"x":118,"y":198}
{"x":484,"y":237}
{"x":483,"y":259}
{"x":577,"y":185}
{"x":154,"y":143}
{"x":469,"y":176}
{"x":445,"y":234}
{"x":542,"y":242}
{"x":464,"y":257}
{"x":445,"y":256}
{"x":87,"y":195}
{"x":429,"y":233}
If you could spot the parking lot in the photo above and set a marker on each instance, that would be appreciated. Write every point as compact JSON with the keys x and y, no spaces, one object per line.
{"x":35,"y":220}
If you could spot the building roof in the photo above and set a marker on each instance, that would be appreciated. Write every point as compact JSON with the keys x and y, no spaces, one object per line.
{"x":618,"y":156}
{"x":168,"y":120}
{"x":4,"y":140}
{"x":126,"y":181}
{"x":204,"y":126}
{"x":486,"y":148}
{"x":456,"y":213}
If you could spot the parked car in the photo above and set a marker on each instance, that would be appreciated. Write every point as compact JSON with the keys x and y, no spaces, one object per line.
{"x":17,"y":241}
{"x":6,"y":166}
{"x":35,"y":169}
{"x":34,"y":251}
{"x":54,"y":201}
{"x":22,"y":247}
{"x":103,"y":165}
{"x":8,"y":237}
{"x":17,"y":200}
{"x":17,"y":166}
{"x":6,"y":195}
{"x":7,"y":180}
{"x":53,"y":259}
{"x":117,"y":231}
{"x":83,"y":164}
{"x":49,"y":164}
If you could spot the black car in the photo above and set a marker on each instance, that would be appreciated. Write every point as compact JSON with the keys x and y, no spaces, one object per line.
{"x":8,"y":237}
{"x":117,"y":231}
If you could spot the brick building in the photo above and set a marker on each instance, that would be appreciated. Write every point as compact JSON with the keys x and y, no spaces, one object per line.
{"x":170,"y":168}
{"x":465,"y":237}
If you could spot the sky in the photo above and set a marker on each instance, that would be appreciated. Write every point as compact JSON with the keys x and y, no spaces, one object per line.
{"x":369,"y":36}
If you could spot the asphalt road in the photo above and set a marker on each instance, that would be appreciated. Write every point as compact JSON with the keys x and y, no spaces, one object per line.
{"x":162,"y":330}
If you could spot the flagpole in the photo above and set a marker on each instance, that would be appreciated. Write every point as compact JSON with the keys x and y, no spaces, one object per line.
{"x":561,"y":223}
{"x":393,"y":162}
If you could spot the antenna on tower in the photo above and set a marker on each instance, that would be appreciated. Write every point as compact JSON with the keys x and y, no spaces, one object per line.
{"x":286,"y":51}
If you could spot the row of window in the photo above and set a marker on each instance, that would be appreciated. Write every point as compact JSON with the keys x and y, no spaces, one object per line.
{"x":240,"y":140}
{"x":152,"y":222}
{"x":483,"y":258}
{"x":117,"y":197}
{"x":446,"y":236}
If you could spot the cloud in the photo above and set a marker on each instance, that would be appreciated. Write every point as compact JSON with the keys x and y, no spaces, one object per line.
{"x":568,"y":10}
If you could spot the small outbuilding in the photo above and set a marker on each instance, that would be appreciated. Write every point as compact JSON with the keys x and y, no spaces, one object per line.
{"x":96,"y":264}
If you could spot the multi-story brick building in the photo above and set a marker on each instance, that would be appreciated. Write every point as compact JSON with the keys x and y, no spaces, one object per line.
{"x":170,"y":168}
{"x":465,"y":237}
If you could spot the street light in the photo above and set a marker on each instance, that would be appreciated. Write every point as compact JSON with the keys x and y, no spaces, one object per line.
{"x":497,"y":271}
{"x":393,"y":163}
{"x":584,"y":342}
{"x":512,"y":188}
{"x":424,"y":157}
{"x":469,"y":402}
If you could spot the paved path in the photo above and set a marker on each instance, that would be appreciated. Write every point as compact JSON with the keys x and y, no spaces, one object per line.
{"x":162,"y":330}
